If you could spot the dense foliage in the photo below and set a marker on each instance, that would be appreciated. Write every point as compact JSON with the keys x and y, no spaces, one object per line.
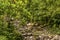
{"x":42,"y":12}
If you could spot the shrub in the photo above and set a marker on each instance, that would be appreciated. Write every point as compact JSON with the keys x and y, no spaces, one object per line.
{"x":27,"y":11}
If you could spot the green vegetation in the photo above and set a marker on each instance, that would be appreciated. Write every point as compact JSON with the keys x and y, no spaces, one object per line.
{"x":42,"y":12}
{"x":3,"y":38}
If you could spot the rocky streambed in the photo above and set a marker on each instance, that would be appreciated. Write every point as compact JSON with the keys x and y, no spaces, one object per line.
{"x":29,"y":36}
{"x":36,"y":33}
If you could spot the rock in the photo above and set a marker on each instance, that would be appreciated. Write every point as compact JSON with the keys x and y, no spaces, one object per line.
{"x":50,"y":37}
{"x":29,"y":34}
{"x":30,"y":24}
{"x":32,"y":38}
{"x":57,"y":37}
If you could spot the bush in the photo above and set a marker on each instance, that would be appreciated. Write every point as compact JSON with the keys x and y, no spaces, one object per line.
{"x":3,"y":37}
{"x":27,"y":11}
